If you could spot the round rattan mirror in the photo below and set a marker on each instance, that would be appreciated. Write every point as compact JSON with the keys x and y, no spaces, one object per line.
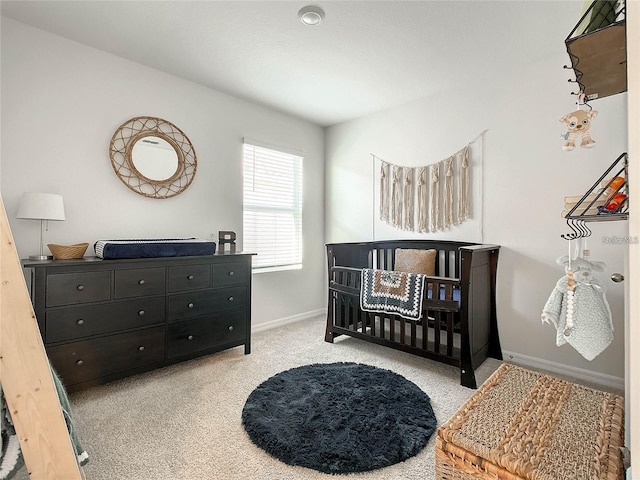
{"x":153,"y":157}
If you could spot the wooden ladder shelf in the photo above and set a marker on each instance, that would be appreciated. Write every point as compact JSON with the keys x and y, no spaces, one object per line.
{"x":26,"y":377}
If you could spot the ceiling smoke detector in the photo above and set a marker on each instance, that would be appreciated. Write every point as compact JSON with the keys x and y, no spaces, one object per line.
{"x":311,"y":15}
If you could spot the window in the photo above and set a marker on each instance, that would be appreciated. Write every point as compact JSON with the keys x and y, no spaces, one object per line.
{"x":272,"y":209}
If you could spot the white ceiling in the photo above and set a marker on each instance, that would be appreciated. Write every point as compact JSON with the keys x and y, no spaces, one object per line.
{"x":366,"y":55}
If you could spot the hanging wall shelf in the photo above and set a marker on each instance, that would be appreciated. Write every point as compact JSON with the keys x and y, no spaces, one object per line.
{"x":597,"y":48}
{"x":608,"y":197}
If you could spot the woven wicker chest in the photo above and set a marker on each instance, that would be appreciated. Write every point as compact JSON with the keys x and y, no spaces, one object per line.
{"x":524,"y":425}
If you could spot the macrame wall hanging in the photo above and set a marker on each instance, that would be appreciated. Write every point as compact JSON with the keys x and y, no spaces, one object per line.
{"x":426,"y":199}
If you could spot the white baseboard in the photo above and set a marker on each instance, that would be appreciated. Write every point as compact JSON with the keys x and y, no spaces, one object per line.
{"x":286,"y":320}
{"x":578,"y":373}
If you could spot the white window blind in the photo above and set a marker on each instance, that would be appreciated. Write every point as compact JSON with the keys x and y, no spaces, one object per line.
{"x":272,"y":208}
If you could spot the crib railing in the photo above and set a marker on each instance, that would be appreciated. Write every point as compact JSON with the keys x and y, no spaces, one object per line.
{"x":435,"y":336}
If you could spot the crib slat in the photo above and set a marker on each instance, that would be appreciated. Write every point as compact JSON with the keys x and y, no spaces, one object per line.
{"x":392,"y":329}
{"x":425,"y":330}
{"x":436,"y":331}
{"x":413,"y":334}
{"x":450,"y":334}
{"x":353,"y":316}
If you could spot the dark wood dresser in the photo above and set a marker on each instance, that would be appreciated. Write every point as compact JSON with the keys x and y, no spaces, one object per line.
{"x":106,"y":319}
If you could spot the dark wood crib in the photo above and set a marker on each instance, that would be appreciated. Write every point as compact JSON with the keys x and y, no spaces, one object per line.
{"x":458,"y":324}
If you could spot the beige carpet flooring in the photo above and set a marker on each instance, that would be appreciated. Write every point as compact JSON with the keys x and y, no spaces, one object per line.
{"x":183,"y":422}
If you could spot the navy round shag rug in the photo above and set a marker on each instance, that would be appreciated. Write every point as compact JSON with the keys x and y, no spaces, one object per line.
{"x":339,"y":417}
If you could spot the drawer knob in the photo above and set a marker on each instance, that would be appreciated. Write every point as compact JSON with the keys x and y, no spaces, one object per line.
{"x":141,"y":282}
{"x":231,"y":299}
{"x":141,"y":348}
{"x":231,"y":273}
{"x":189,"y":277}
{"x":140,"y":312}
{"x":80,"y":322}
{"x":231,"y":328}
{"x":80,"y":288}
{"x":190,"y":337}
{"x":190,"y":305}
{"x":79,"y":362}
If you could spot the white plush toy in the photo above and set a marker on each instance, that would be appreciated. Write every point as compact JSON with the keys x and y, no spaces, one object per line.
{"x":578,"y":125}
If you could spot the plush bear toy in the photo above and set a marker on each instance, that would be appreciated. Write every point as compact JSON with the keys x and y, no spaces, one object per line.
{"x":578,"y":124}
{"x":581,"y":268}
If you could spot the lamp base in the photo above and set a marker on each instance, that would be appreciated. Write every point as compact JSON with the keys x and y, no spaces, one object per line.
{"x":40,"y":257}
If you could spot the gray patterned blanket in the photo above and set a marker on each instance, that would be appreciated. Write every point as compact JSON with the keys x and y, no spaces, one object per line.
{"x":384,"y":291}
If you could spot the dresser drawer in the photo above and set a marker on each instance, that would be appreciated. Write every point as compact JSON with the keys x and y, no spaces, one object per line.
{"x":71,"y":288}
{"x":197,"y":304}
{"x":91,"y":359}
{"x":191,"y":277}
{"x":83,"y":321}
{"x":192,"y":336}
{"x":229,"y":274}
{"x":138,"y":282}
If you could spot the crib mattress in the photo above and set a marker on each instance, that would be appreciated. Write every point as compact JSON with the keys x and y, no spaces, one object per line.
{"x":149,"y":248}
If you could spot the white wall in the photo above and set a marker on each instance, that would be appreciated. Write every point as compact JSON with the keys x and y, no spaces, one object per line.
{"x":61,"y":103}
{"x":525,"y":176}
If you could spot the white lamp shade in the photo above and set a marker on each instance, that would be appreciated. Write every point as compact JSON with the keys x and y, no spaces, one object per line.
{"x":41,"y":206}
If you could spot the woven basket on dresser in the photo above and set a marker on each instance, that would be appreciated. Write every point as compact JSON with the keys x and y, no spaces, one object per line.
{"x":67,"y":252}
{"x":523,"y":425}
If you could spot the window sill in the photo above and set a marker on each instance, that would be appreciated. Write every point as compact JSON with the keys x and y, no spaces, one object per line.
{"x":281,"y":268}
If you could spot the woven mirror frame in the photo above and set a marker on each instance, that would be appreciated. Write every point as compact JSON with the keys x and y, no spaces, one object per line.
{"x":121,"y":149}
